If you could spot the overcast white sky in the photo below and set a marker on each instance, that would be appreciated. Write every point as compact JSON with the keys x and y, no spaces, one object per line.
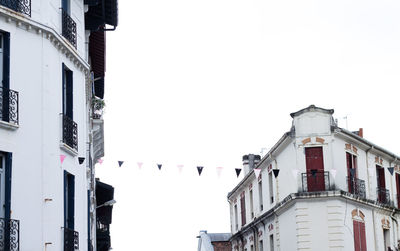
{"x":205,"y":82}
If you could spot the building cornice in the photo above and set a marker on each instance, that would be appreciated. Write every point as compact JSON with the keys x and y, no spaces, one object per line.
{"x":269,"y":156}
{"x":289,"y":200}
{"x":58,"y":41}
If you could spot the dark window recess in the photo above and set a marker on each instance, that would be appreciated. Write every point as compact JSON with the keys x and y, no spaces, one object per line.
{"x":382,"y":193}
{"x":315,"y":175}
{"x":69,"y":127}
{"x":9,"y":99}
{"x":71,"y":237}
{"x":100,"y":14}
{"x":104,"y":193}
{"x":21,"y":6}
{"x":243,"y":209}
{"x":398,"y":189}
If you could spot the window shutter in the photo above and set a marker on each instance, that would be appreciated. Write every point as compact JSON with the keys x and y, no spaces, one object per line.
{"x":362,"y":237}
{"x":6,"y":60}
{"x":243,"y":210}
{"x":356,"y":232}
{"x":70,"y":97}
{"x":71,"y":201}
{"x":65,"y":197}
{"x":7,"y":199}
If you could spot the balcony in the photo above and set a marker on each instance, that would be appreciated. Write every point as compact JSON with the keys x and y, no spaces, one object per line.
{"x":9,"y":106}
{"x":21,"y":6}
{"x":69,"y":132}
{"x":383,"y":196}
{"x":356,"y":186}
{"x":316,"y":181}
{"x":71,"y":240}
{"x":9,"y":235}
{"x":68,"y":27}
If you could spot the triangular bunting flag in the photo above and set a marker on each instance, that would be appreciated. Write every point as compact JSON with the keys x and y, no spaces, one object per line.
{"x":159,"y":166}
{"x":276,"y":172}
{"x":333,"y":172}
{"x":81,"y":160}
{"x":62,"y":158}
{"x":200,"y":169}
{"x":100,"y":161}
{"x":238,"y":170}
{"x":120,"y":162}
{"x":140,"y":164}
{"x":257,"y":172}
{"x":391,"y":169}
{"x":295,"y":172}
{"x":180,"y":167}
{"x":219,"y":170}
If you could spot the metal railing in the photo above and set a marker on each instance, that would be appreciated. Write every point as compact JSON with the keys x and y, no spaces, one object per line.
{"x":356,"y":186}
{"x":71,"y":240}
{"x":9,"y":235}
{"x":316,"y":181}
{"x":9,"y":105}
{"x":69,"y":132}
{"x":383,"y":195}
{"x":68,"y":27}
{"x":21,"y":6}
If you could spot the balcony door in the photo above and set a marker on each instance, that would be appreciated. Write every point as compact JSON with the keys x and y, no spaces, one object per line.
{"x":351,"y":161}
{"x":67,"y":88}
{"x":381,"y":184}
{"x":315,"y":169}
{"x":398,"y":189}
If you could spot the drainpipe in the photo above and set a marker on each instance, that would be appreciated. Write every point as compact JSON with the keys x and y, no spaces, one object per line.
{"x":397,"y":226}
{"x":373,"y":210}
{"x":255,"y":238}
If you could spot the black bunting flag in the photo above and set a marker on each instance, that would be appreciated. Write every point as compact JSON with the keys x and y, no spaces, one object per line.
{"x":238,"y":170}
{"x":276,"y":172}
{"x":120,"y":162}
{"x":391,"y":169}
{"x":200,"y":169}
{"x":159,"y":166}
{"x":81,"y":160}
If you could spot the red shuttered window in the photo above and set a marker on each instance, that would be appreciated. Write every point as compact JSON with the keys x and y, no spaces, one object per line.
{"x":360,"y":243}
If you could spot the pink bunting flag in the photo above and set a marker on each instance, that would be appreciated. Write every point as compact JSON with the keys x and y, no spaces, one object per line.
{"x":333,"y":172}
{"x":62,"y":158}
{"x":180,"y":167}
{"x":257,"y":172}
{"x":100,"y":161}
{"x":219,"y":171}
{"x":140,"y":164}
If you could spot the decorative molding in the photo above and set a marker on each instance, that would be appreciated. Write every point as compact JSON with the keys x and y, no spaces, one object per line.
{"x":305,"y":141}
{"x":385,"y":223}
{"x":319,"y":140}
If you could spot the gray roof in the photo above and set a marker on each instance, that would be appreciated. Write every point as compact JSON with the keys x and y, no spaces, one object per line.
{"x":312,"y":108}
{"x":220,"y":237}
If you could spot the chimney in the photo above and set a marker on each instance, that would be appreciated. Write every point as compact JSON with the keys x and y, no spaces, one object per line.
{"x":249,"y":162}
{"x":361,"y":133}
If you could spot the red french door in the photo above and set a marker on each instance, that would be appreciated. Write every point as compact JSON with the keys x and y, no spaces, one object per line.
{"x":380,"y":175}
{"x":351,"y":161}
{"x":315,"y":169}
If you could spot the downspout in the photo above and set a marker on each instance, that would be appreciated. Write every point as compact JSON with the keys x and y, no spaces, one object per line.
{"x":397,"y":226}
{"x":255,"y":237}
{"x":373,"y":210}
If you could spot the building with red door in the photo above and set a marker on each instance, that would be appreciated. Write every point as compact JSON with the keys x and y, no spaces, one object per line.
{"x":320,"y":187}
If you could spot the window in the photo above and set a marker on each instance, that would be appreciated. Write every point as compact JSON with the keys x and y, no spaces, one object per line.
{"x":236,"y":217}
{"x":251,"y":248}
{"x":398,"y":189}
{"x":69,"y":200}
{"x":251,"y":204}
{"x":8,"y":98}
{"x":66,"y":5}
{"x":260,"y":195}
{"x":271,"y":242}
{"x":360,"y":243}
{"x":243,"y":208}
{"x":271,"y":188}
{"x":383,"y":194}
{"x":261,"y":246}
{"x":67,"y":92}
{"x":5,"y":184}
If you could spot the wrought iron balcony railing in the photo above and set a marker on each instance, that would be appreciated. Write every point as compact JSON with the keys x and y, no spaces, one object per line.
{"x":383,"y":196}
{"x":71,"y":240}
{"x":356,"y":186}
{"x":8,"y":105}
{"x":68,"y":27}
{"x":316,"y":181}
{"x":70,"y":132}
{"x":21,"y":6}
{"x":9,"y":235}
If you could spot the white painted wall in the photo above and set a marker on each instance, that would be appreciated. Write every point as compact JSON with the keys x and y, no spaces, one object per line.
{"x":36,"y":73}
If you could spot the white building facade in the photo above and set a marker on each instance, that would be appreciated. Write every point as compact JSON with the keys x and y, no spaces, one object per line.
{"x":320,"y":187}
{"x":47,"y":126}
